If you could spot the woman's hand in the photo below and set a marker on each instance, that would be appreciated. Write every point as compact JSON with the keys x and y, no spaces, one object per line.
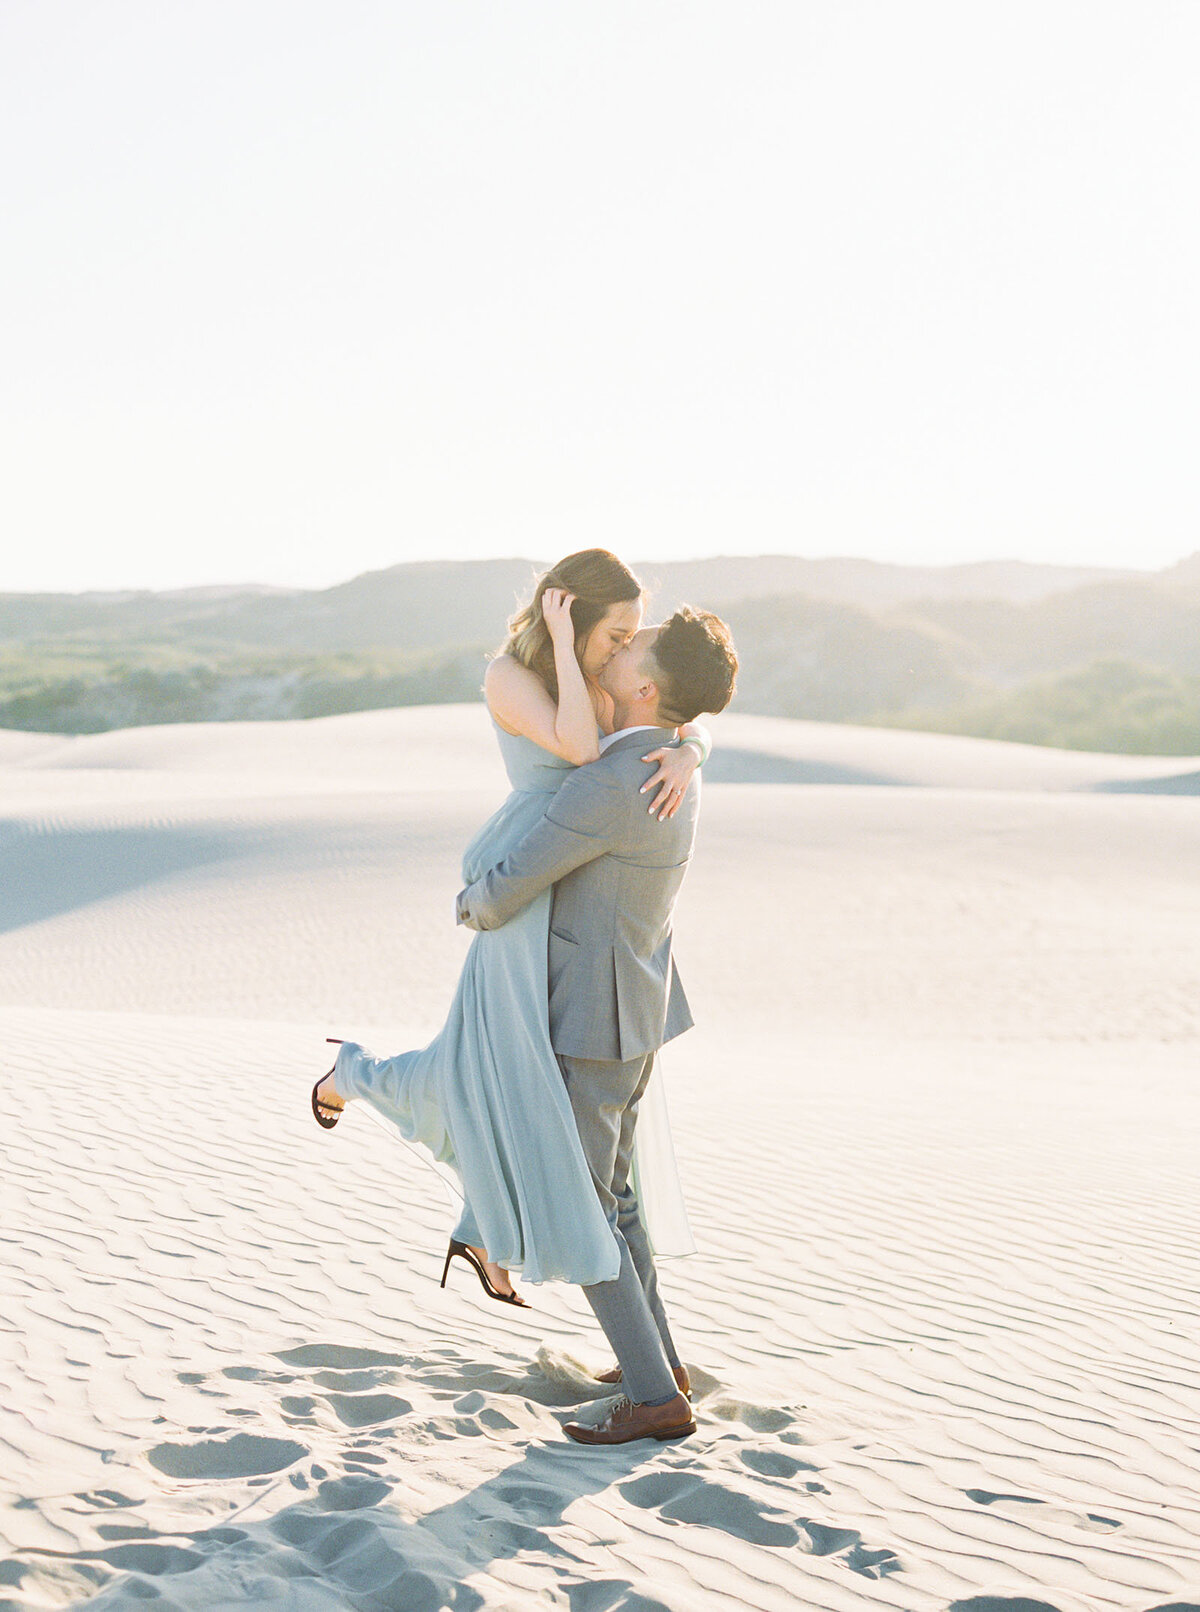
{"x":556,"y":613}
{"x":676,"y":764}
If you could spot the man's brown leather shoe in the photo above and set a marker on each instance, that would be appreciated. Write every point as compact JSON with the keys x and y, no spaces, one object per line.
{"x":683,"y":1381}
{"x":627,"y":1421}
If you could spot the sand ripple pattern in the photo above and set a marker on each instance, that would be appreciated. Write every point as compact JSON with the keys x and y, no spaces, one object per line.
{"x":964,"y":1367}
{"x":938,"y":1129}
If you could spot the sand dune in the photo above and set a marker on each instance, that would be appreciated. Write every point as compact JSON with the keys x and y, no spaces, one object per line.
{"x":448,"y":746}
{"x":937,"y":1125}
{"x":765,"y":749}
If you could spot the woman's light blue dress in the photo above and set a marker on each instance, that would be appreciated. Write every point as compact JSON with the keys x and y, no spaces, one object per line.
{"x":487,"y":1096}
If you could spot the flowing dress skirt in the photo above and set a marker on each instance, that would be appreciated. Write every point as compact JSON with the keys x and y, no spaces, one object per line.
{"x":487,"y":1098}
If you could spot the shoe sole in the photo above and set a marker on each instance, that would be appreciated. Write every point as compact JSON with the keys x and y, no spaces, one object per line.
{"x":662,"y":1437}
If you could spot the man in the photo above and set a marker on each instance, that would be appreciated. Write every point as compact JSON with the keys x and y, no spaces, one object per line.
{"x":614,"y":995}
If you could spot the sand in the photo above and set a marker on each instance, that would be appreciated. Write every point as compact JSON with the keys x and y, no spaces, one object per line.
{"x":937,"y":1125}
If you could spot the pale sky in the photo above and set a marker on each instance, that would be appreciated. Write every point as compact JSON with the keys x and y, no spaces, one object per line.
{"x":293,"y":289}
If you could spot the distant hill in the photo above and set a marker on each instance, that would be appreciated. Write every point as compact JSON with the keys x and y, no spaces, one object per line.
{"x":1052,"y":654}
{"x":1185,"y":574}
{"x":835,"y":662}
{"x":408,"y":607}
{"x":952,"y":666}
{"x":1115,"y":706}
{"x":1134,"y":620}
{"x":436,"y":604}
{"x":95,"y":687}
{"x":868,"y":583}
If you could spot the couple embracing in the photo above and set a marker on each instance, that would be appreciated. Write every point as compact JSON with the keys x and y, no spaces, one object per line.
{"x":531,"y":1091}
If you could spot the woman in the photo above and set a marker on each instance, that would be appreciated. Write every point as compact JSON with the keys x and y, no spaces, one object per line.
{"x":486,"y":1096}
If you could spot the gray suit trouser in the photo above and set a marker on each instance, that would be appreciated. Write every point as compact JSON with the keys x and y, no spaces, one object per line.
{"x":604,"y":1098}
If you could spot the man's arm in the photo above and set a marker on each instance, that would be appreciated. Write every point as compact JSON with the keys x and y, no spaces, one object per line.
{"x":579,"y":827}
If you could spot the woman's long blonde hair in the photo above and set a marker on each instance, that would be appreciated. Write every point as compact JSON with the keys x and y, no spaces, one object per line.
{"x":597,"y":579}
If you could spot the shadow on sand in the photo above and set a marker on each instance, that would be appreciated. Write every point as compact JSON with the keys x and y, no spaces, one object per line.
{"x":1184,"y":783}
{"x":363,"y":1535}
{"x":730,"y":766}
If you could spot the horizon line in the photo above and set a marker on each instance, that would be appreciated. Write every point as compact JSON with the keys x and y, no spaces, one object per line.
{"x":251,"y":586}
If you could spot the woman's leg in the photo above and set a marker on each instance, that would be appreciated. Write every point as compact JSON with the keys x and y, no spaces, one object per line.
{"x":467,"y":1231}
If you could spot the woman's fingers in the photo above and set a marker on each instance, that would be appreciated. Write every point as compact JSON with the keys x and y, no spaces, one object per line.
{"x":556,"y":603}
{"x":676,"y":764}
{"x":668,"y":783}
{"x":666,"y":801}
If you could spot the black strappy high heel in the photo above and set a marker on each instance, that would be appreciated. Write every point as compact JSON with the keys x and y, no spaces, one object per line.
{"x":326,"y":1124}
{"x":472,"y":1259}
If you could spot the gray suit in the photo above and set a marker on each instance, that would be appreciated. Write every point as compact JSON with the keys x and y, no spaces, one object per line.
{"x":614,"y":998}
{"x":616,"y":871}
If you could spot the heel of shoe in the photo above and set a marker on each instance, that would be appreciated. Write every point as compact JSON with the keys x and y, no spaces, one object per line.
{"x":467,"y":1253}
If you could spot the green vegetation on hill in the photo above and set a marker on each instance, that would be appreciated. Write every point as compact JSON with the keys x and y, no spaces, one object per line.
{"x":833,"y":662}
{"x":433,"y":604}
{"x":1081,"y":659}
{"x":1112,"y":667}
{"x":87,"y":688}
{"x":1112,"y":705}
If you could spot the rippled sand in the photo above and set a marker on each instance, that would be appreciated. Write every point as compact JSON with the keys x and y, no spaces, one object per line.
{"x":938,"y":1127}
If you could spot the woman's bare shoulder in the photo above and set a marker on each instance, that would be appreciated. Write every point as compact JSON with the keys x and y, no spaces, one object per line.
{"x":507,"y":678}
{"x":518,"y":699}
{"x":505,"y":669}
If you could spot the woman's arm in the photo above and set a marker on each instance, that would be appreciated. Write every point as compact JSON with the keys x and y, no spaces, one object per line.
{"x":676,"y":764}
{"x":521,"y":702}
{"x":695,"y":733}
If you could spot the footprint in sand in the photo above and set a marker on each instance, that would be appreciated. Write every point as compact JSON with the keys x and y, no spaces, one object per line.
{"x":352,"y":1493}
{"x":354,"y":1382}
{"x":367,"y":1410}
{"x":537,"y":1503}
{"x":613,"y":1595}
{"x":1001,"y":1603}
{"x":242,"y":1374}
{"x":105,"y":1499}
{"x":245,"y":1455}
{"x":1016,"y":1505}
{"x":351,"y":1381}
{"x":684,"y":1498}
{"x":774,"y":1464}
{"x":297,"y":1408}
{"x":761,"y":1418}
{"x":871,"y":1563}
{"x":847,"y":1543}
{"x":340,"y":1357}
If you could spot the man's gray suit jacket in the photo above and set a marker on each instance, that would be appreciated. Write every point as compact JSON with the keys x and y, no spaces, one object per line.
{"x":616,"y":871}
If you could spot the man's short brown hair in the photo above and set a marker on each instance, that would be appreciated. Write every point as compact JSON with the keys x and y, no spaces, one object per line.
{"x":697,"y":663}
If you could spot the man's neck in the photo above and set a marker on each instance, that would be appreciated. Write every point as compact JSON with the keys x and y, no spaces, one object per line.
{"x":635,"y":716}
